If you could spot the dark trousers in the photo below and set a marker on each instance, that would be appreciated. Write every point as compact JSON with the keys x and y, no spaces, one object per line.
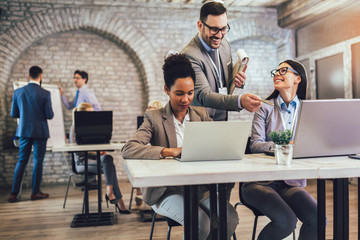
{"x":109,"y":170}
{"x":283,"y":204}
{"x":25,"y":145}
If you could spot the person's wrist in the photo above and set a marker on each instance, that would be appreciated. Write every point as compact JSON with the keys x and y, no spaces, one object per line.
{"x":239,"y":103}
{"x":163,"y":153}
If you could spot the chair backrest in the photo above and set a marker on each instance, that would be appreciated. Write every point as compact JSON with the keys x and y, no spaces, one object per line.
{"x":140,"y":120}
{"x":248,"y":150}
{"x":73,"y":166}
{"x":172,"y":223}
{"x":242,"y":200}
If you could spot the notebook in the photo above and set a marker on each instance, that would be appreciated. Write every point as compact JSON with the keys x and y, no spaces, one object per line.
{"x":206,"y":141}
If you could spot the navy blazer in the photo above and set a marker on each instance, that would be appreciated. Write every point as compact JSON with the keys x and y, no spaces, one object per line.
{"x":32,"y":104}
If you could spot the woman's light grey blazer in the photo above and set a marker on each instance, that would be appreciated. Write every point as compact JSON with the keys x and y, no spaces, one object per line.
{"x":267,"y":119}
{"x":158,"y":129}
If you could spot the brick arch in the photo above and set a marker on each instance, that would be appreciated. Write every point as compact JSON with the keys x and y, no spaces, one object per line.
{"x":261,"y":28}
{"x":23,"y":34}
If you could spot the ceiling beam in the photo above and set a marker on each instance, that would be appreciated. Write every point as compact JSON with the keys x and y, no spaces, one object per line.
{"x":297,"y":13}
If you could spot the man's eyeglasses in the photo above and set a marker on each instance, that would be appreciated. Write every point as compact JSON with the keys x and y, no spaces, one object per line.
{"x":283,"y":71}
{"x":215,"y":30}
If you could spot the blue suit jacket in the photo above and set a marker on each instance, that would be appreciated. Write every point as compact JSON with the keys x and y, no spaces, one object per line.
{"x":32,"y":104}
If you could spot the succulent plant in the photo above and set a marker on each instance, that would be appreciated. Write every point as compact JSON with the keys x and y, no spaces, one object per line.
{"x":281,"y":137}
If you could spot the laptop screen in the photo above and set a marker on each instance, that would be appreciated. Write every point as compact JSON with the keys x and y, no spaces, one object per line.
{"x":93,"y":127}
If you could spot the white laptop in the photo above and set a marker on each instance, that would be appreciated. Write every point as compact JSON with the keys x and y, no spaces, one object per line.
{"x":328,"y":128}
{"x":205,"y":141}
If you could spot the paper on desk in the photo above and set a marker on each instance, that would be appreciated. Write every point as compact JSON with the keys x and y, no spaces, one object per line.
{"x":240,"y":65}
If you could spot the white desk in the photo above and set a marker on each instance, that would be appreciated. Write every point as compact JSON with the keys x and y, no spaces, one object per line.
{"x":91,"y":219}
{"x":73,"y":147}
{"x":254,"y":167}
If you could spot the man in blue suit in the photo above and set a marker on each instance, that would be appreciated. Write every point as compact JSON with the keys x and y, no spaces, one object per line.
{"x":32,"y":104}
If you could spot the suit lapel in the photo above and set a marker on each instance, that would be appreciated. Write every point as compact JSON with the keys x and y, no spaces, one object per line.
{"x":168,"y":123}
{"x":194,"y":117}
{"x":206,"y":57}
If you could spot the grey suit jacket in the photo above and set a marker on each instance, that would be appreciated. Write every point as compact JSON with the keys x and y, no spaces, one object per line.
{"x":206,"y":86}
{"x":158,"y":129}
{"x":266,"y":120}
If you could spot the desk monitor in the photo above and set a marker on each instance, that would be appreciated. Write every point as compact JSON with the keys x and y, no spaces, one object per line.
{"x":328,"y":128}
{"x":204,"y":141}
{"x":93,"y":127}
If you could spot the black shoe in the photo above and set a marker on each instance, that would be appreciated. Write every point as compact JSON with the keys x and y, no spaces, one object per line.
{"x":122,"y":211}
{"x":12,"y":198}
{"x":112,"y":201}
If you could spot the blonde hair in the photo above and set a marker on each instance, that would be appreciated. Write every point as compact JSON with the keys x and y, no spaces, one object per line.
{"x":82,"y":107}
{"x":155,"y":104}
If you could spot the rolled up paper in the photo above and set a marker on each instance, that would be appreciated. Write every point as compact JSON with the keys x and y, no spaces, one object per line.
{"x":240,"y":65}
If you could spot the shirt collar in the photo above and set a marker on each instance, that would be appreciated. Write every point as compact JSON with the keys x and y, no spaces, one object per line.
{"x":293,"y":104}
{"x":186,"y":119}
{"x":82,"y":88}
{"x":35,"y":82}
{"x":207,"y":48}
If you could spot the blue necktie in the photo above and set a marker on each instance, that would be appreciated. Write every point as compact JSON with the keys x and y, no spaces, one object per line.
{"x":76,"y":96}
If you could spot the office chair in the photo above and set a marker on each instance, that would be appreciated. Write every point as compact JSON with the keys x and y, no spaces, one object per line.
{"x":91,"y":187}
{"x":171,"y":223}
{"x":131,"y":197}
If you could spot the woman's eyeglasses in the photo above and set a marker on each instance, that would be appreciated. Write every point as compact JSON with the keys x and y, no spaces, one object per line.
{"x":283,"y":71}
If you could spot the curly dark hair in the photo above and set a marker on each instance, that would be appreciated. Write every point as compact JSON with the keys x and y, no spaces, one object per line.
{"x":177,"y":66}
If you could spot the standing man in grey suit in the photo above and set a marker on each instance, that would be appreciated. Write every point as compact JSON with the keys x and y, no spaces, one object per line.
{"x":210,"y":56}
{"x":83,"y":93}
{"x":32,"y":104}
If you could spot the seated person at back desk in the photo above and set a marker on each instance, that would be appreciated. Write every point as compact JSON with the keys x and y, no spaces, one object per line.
{"x":281,"y":201}
{"x":164,"y":130}
{"x":113,"y":193}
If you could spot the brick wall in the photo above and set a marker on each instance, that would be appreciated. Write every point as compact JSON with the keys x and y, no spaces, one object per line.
{"x":122,"y":46}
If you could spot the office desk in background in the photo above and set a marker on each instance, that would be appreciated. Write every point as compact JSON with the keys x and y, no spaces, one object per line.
{"x":254,"y":167}
{"x":91,"y":219}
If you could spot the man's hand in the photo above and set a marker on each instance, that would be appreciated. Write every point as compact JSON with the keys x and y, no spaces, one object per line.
{"x":250,"y":102}
{"x":171,"y":152}
{"x":239,"y":80}
{"x":61,"y":90}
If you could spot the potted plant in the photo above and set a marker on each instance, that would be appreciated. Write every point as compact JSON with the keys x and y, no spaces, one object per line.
{"x":283,"y":148}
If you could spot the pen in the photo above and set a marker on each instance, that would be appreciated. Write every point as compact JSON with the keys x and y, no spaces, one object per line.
{"x":267,"y":102}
